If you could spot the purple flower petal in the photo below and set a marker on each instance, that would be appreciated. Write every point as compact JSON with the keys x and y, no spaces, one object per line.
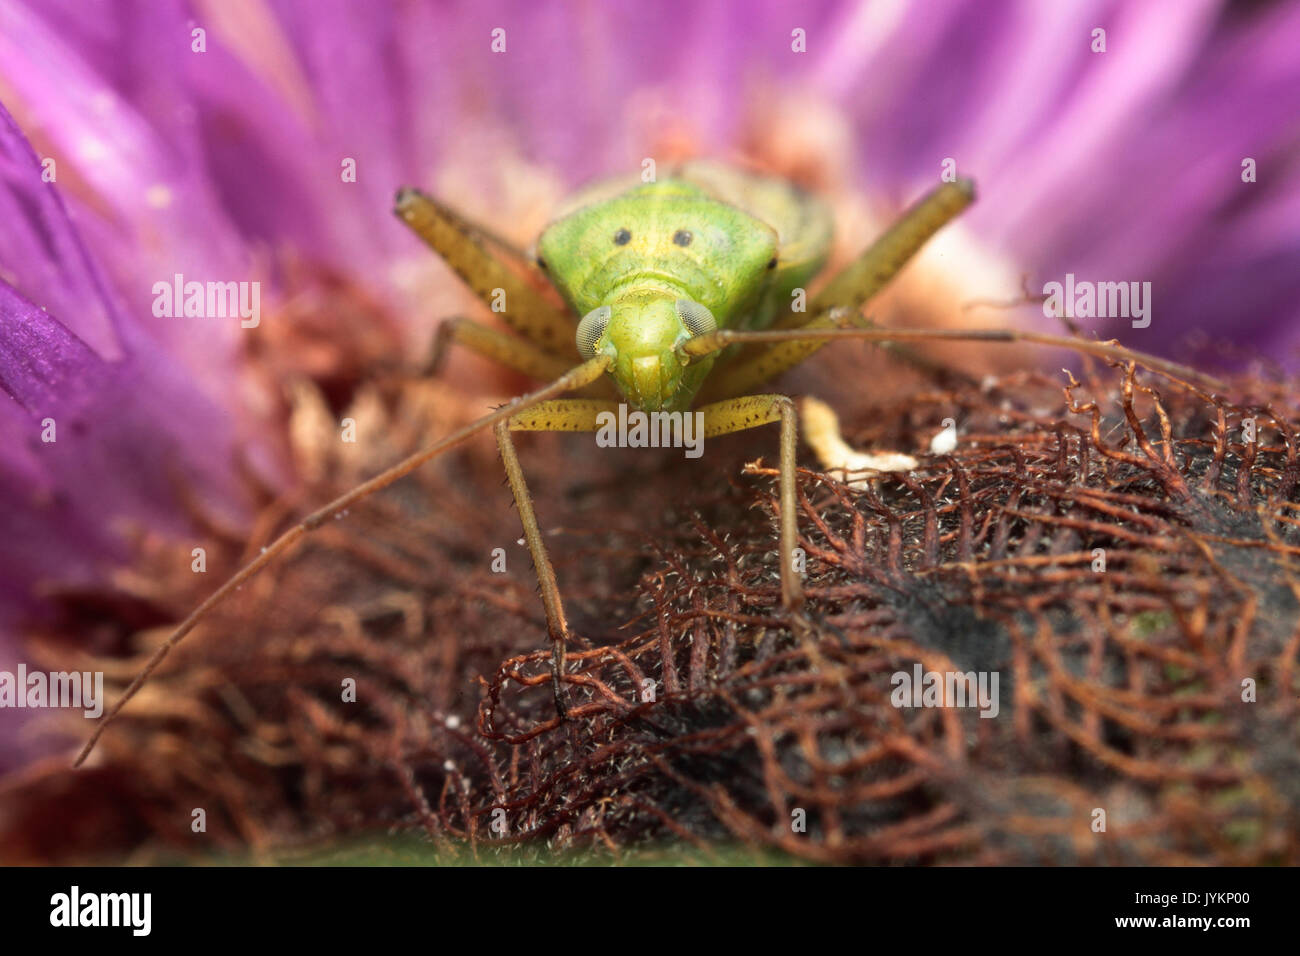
{"x":130,"y":428}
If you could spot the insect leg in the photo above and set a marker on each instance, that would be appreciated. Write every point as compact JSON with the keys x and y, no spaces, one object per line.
{"x":575,"y":378}
{"x":462,"y":245}
{"x":552,"y":416}
{"x":505,"y":349}
{"x":751,"y":411}
{"x":838,"y":303}
{"x":518,"y":354}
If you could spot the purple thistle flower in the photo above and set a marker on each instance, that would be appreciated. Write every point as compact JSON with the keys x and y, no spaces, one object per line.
{"x":218,"y":155}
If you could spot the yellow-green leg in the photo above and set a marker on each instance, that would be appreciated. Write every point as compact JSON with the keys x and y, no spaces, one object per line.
{"x":720,"y":418}
{"x":506,"y":349}
{"x":463,"y":246}
{"x":515,"y":353}
{"x":750,"y":411}
{"x":561,"y":415}
{"x":838,"y":303}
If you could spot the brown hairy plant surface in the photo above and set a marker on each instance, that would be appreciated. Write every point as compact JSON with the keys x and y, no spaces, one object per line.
{"x":1120,"y":689}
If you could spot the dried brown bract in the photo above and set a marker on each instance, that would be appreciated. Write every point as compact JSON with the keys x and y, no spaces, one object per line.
{"x":1122,"y":552}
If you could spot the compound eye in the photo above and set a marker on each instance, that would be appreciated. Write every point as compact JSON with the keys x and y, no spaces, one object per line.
{"x":697,"y":318}
{"x":591,"y":328}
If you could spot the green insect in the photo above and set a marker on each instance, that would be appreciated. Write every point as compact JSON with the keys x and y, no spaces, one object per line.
{"x":681,"y":296}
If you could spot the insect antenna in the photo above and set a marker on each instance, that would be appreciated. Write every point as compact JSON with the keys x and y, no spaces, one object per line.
{"x":575,"y":378}
{"x":716,"y":341}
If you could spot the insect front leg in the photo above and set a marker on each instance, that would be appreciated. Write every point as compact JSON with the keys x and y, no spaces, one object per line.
{"x":552,"y":416}
{"x":576,"y":378}
{"x":751,"y":411}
